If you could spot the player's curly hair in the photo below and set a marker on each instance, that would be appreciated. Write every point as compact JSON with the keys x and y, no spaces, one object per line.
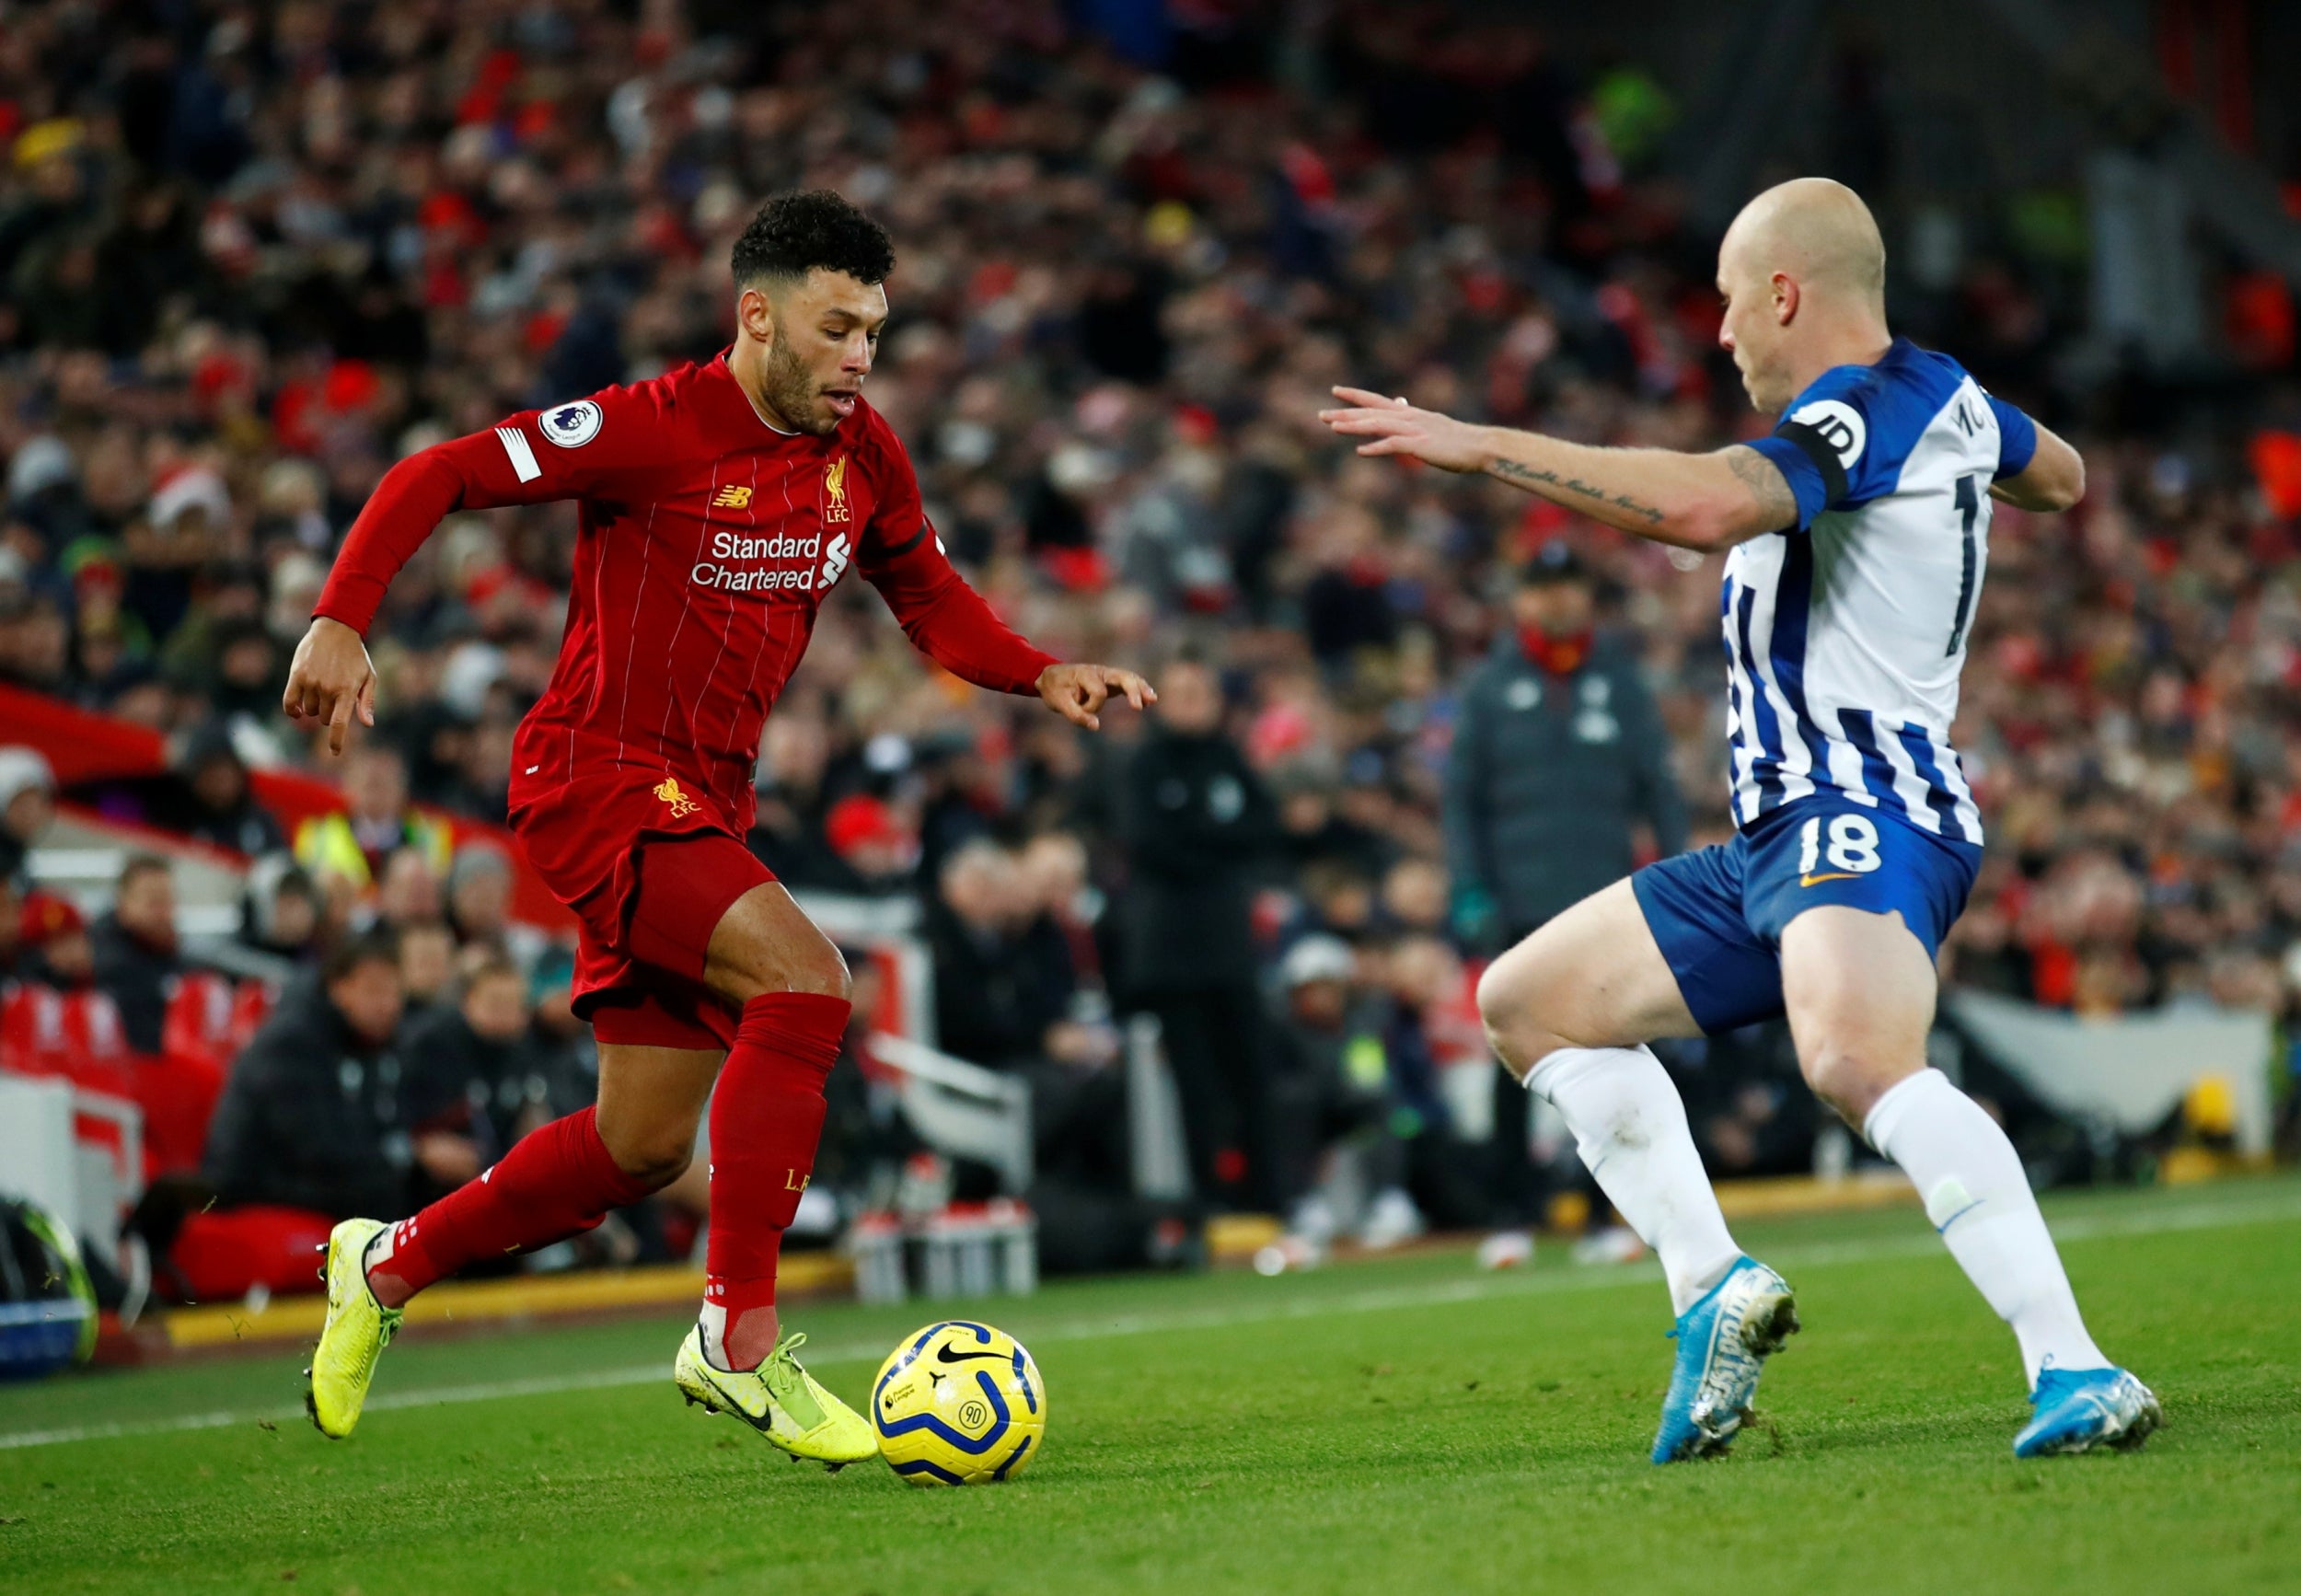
{"x":794,"y":233}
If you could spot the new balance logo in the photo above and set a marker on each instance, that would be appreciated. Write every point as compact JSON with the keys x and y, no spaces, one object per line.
{"x":733,"y":499}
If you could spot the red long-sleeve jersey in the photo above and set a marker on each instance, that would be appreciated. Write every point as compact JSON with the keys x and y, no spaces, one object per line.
{"x":707,"y":540}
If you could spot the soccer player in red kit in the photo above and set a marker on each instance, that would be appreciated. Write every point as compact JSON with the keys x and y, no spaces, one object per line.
{"x":720,"y":504}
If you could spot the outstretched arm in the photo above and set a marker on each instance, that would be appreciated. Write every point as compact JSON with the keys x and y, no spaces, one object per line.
{"x":1701,"y":502}
{"x":948,"y":621}
{"x":333,"y":678}
{"x":531,"y":458}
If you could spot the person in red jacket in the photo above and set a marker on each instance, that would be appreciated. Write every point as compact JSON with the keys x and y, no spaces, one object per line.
{"x":720,"y":504}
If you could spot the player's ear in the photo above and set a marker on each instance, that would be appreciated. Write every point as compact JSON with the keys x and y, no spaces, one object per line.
{"x":1786,"y":298}
{"x":756,"y":314}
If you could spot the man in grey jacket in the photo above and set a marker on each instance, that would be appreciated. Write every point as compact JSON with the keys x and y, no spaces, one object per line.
{"x":1558,"y":754}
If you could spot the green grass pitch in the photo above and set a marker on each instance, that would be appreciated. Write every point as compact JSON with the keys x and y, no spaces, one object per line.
{"x":1400,"y":1427}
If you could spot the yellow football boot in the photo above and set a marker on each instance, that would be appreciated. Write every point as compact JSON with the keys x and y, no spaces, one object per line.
{"x":780,"y":1400}
{"x":355,"y":1335}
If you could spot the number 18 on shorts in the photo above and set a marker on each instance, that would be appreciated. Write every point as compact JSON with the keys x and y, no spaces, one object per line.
{"x":1718,"y":912}
{"x":1852,"y":848}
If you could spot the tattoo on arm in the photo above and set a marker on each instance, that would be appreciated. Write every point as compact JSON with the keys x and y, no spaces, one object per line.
{"x":1777,"y":505}
{"x":1536,"y":479}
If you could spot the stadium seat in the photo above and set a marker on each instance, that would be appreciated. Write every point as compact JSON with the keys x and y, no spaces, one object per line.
{"x":77,"y":1036}
{"x":211,"y":1016}
{"x":220,"y":1256}
{"x":177,"y":1093}
{"x":45,"y":1031}
{"x":199,"y":1018}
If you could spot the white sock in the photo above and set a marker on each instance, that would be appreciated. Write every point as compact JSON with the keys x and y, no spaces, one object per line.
{"x":713,"y":1320}
{"x":1980,"y":1200}
{"x":380,"y":1248}
{"x":1630,"y":1128}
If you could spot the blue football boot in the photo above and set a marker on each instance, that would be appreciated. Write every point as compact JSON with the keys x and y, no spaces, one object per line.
{"x":1723,"y":1343}
{"x":2078,"y":1409}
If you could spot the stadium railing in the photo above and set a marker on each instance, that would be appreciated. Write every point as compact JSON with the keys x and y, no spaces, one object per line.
{"x":963,"y":1110}
{"x":1154,"y":1115}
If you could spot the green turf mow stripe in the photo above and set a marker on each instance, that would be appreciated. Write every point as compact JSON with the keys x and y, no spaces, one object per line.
{"x":2202,"y":1216}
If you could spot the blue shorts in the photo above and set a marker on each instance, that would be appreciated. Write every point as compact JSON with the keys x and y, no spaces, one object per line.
{"x":1718,"y":912}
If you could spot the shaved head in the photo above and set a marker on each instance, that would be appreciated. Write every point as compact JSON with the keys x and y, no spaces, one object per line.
{"x":1802,"y":272}
{"x":1816,"y":231}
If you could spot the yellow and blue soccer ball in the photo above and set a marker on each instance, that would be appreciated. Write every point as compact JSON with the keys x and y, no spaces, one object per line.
{"x":958,"y":1404}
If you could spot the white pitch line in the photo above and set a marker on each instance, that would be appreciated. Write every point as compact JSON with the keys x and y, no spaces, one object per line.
{"x":1821,"y":1254}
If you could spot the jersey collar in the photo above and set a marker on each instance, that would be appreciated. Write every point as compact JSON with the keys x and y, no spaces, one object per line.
{"x":724,"y":368}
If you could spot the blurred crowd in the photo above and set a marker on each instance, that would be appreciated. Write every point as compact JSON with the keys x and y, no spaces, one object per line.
{"x":254,"y":254}
{"x":360,"y":1045}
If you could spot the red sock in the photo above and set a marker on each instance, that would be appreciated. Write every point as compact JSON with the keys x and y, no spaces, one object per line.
{"x":554,"y":1183}
{"x":767,"y":1116}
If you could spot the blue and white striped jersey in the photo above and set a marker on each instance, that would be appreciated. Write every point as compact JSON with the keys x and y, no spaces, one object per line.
{"x":1846,"y":633}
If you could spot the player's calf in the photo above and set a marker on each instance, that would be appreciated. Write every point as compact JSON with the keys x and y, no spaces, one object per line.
{"x":559,"y":1181}
{"x":766,"y":1119}
{"x":1860,"y":988}
{"x":554,"y":1183}
{"x":1568,"y":1010}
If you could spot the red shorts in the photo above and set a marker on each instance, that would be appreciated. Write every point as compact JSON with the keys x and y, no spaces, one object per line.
{"x":650,"y":869}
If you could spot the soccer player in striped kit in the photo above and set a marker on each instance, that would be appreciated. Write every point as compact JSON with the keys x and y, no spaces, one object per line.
{"x":1858,"y":536}
{"x":720,"y":504}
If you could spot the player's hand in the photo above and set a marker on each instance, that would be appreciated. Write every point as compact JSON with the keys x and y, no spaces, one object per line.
{"x":1076,"y":691}
{"x":1391,"y":426}
{"x":331,"y":680}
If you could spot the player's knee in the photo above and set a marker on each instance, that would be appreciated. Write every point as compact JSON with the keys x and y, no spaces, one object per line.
{"x":1516,"y":1045}
{"x":655,"y":1153}
{"x":814,"y":964}
{"x":1506,"y":1009}
{"x":817,"y":967}
{"x":826,"y":974}
{"x":1848,"y":1078}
